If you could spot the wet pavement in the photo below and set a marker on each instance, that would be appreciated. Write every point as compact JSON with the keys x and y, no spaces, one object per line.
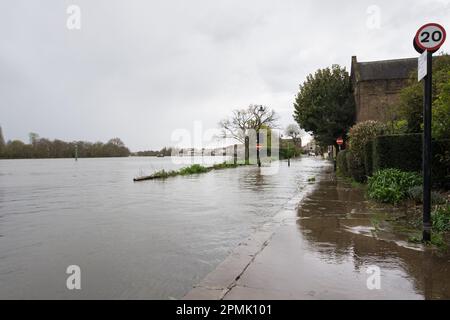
{"x":328,"y":248}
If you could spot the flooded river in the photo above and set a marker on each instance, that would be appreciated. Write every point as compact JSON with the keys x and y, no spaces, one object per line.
{"x":146,"y":240}
{"x":156,"y":239}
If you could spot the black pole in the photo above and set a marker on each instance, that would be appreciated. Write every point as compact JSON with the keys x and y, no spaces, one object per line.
{"x":247,"y":151}
{"x":427,"y":149}
{"x":289,"y":154}
{"x":257,"y":149}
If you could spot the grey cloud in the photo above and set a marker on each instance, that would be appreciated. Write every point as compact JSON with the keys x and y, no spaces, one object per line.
{"x":140,"y":69}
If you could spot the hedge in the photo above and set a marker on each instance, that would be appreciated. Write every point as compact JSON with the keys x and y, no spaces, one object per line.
{"x":341,"y":162}
{"x":368,"y":158}
{"x":355,"y":168}
{"x":404,"y":152}
{"x":440,"y":166}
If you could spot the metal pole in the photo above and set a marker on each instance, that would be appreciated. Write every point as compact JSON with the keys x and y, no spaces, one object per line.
{"x":289,"y":154}
{"x":257,"y":149}
{"x":247,"y":151}
{"x":427,"y":150}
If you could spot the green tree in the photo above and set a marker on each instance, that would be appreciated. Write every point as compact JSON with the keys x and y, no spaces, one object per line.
{"x":44,"y":148}
{"x":17,"y":149}
{"x":411,"y":100}
{"x":441,"y":111}
{"x":325,"y":104}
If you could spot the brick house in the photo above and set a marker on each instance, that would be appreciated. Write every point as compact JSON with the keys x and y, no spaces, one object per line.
{"x":377,"y":86}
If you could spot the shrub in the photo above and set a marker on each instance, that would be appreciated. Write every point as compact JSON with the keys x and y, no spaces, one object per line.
{"x":359,"y":136}
{"x":416,"y":194}
{"x":361,"y":133}
{"x":441,"y":218}
{"x":341,"y":162}
{"x":392,"y":185}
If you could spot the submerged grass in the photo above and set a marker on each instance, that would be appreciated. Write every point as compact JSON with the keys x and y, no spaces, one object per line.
{"x":193,"y":169}
{"x":190,"y":170}
{"x":440,"y":217}
{"x":224,"y":165}
{"x":411,"y":225}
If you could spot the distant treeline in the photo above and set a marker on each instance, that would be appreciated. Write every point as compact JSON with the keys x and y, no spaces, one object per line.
{"x":166,"y":152}
{"x":44,"y":148}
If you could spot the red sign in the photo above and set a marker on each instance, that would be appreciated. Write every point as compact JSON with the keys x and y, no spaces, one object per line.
{"x":430,"y":37}
{"x":340,"y":141}
{"x":259,"y":146}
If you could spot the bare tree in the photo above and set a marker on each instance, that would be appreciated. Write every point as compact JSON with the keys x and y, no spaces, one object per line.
{"x":246,"y":122}
{"x":262,"y":117}
{"x":254,"y":117}
{"x":237,"y":125}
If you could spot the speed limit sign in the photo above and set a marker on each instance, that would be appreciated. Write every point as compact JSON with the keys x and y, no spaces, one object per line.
{"x":430,"y":37}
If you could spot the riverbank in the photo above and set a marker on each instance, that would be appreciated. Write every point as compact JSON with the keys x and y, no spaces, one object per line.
{"x":327,"y":249}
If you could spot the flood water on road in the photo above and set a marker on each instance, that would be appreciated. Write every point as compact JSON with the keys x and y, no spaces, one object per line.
{"x":341,"y":243}
{"x":330,"y":249}
{"x":146,"y":240}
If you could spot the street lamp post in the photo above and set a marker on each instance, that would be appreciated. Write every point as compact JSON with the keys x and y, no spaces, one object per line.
{"x":257,"y":149}
{"x":246,"y":147}
{"x":260,"y":110}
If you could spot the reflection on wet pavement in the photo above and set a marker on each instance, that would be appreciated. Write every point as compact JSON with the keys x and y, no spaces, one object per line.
{"x":335,"y":224}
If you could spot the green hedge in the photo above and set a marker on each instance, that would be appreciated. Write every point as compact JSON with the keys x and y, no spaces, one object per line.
{"x":368,"y":158}
{"x":404,"y":152}
{"x":341,"y":163}
{"x":355,"y":168}
{"x":440,"y":166}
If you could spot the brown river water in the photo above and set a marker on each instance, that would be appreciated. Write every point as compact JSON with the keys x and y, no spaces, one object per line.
{"x":156,"y":239}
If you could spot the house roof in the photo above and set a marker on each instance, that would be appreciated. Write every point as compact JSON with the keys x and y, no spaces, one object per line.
{"x":384,"y":70}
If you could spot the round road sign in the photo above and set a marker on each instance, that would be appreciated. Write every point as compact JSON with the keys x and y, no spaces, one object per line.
{"x":430,"y":37}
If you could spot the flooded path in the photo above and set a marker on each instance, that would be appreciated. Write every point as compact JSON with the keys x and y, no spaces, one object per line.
{"x":328,"y":249}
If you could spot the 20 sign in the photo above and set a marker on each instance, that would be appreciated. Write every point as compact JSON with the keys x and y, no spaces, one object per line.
{"x":430,"y":37}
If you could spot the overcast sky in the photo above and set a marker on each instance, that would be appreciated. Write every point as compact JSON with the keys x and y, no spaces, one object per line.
{"x":140,"y":69}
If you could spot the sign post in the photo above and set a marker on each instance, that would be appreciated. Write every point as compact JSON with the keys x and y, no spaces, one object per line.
{"x":422,"y":68}
{"x":429,"y":38}
{"x":340,"y":142}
